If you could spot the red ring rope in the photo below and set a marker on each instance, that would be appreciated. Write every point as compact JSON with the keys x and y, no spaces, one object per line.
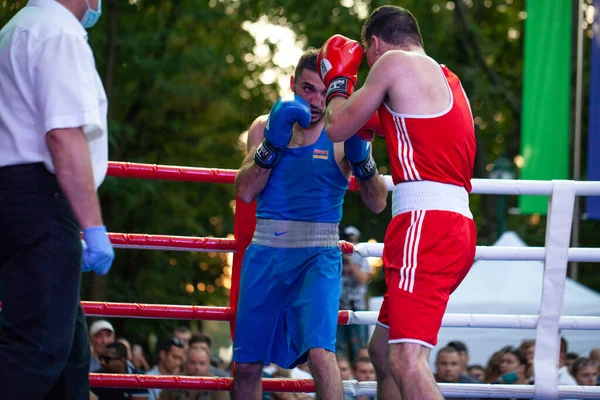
{"x":176,"y":173}
{"x":131,"y":381}
{"x":185,"y":242}
{"x":170,"y":172}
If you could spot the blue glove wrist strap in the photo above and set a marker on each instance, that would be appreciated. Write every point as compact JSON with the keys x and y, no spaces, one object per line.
{"x":268,"y":156}
{"x":365,"y":169}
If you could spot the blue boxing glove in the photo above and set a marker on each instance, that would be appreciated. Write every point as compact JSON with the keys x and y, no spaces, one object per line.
{"x":98,"y":253}
{"x":286,"y":111}
{"x":358,"y":152}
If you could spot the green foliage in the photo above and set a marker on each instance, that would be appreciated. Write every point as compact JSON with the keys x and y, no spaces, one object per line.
{"x":182,"y":89}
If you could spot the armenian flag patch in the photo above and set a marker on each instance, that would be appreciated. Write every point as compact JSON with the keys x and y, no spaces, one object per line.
{"x":322,"y":154}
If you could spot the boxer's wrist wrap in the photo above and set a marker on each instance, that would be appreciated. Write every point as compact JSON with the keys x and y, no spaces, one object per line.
{"x":341,"y":86}
{"x":365,"y":169}
{"x":267,"y":156}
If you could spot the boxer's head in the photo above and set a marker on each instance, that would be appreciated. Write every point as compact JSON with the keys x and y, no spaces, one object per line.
{"x":307,"y":84}
{"x":389,"y":27}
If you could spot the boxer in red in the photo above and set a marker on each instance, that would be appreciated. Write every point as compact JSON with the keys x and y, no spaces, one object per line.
{"x":428,"y":128}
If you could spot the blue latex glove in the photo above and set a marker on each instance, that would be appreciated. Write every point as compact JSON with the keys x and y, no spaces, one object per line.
{"x":358,"y":152}
{"x":98,"y":253}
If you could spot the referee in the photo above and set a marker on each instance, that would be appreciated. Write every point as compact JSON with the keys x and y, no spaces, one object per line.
{"x":53,"y":157}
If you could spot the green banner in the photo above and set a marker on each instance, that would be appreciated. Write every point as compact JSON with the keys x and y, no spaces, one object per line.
{"x":546,"y":96}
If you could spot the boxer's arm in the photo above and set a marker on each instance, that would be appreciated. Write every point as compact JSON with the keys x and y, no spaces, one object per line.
{"x":251,"y":178}
{"x":373,"y":193}
{"x":344,"y":117}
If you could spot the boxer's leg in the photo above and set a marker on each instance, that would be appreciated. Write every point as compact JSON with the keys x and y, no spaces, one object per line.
{"x":259,"y":315}
{"x":379,"y":353}
{"x":317,"y":307}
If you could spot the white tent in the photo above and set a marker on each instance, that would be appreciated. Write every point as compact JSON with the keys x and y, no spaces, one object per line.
{"x":511,"y":287}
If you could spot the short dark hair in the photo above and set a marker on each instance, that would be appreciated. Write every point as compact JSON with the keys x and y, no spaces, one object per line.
{"x":475,"y":366}
{"x":308,"y":60}
{"x":458,"y":345}
{"x":172,"y":342}
{"x":394,"y":25}
{"x":201,"y":338}
{"x":360,"y":360}
{"x":447,"y":349}
{"x":120,"y":349}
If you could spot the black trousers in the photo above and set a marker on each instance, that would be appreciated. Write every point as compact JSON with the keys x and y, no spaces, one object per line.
{"x":44,"y":348}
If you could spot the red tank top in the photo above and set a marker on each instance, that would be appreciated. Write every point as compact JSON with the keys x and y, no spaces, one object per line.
{"x":439,"y":147}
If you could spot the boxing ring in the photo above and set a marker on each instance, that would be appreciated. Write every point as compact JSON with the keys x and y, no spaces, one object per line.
{"x":548,"y":323}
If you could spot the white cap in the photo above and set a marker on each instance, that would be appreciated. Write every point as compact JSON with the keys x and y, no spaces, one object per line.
{"x":100,"y":325}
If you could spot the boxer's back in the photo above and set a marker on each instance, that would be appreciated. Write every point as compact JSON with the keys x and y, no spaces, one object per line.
{"x":307,"y":185}
{"x":436,"y":146}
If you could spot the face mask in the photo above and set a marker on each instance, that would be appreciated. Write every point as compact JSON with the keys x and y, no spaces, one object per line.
{"x":91,"y":16}
{"x":509,"y":378}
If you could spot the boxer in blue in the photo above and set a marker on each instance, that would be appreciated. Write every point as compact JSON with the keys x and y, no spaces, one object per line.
{"x":291,"y":275}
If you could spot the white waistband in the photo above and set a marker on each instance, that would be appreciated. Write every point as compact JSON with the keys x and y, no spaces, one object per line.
{"x":295,"y":234}
{"x":427,"y":195}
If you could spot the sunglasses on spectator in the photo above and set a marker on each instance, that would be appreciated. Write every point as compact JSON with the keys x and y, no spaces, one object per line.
{"x":177,"y":342}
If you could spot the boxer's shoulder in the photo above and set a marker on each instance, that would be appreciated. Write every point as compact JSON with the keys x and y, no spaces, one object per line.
{"x":259,"y":122}
{"x":256,"y":131}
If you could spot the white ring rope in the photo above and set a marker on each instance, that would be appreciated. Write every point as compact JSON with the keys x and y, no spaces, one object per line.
{"x":487,"y":391}
{"x":500,"y":253}
{"x":520,"y":186}
{"x":458,"y":320}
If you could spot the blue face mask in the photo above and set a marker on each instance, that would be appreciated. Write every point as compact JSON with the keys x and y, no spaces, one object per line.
{"x":91,"y":16}
{"x":509,"y":378}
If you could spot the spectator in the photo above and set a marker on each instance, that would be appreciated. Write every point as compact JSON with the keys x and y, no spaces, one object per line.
{"x":463,"y":354}
{"x":101,"y":334}
{"x":184,"y":334}
{"x":512,"y":367}
{"x":284,"y":373}
{"x":492,"y":369}
{"x":569,"y":360}
{"x":564,"y":377}
{"x":135,"y":357}
{"x":363,"y":371}
{"x":356,"y":274}
{"x":127,"y":345}
{"x":595,"y":355}
{"x":200,"y":340}
{"x":345,"y":372}
{"x":585,"y":371}
{"x":448,"y":367}
{"x":197,"y":363}
{"x":345,"y":368}
{"x":527,"y":348}
{"x":477,"y":372}
{"x":170,"y":357}
{"x":114,"y":361}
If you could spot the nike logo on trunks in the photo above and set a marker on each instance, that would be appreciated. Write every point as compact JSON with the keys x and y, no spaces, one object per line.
{"x":280,"y":233}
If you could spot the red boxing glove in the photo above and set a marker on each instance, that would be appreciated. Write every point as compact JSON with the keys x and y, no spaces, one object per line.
{"x":370,"y":128}
{"x":338,"y":63}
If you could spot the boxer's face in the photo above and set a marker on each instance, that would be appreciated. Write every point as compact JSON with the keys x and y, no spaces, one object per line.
{"x":311,"y":88}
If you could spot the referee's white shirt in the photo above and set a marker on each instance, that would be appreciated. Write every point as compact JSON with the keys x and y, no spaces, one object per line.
{"x":49,"y":81}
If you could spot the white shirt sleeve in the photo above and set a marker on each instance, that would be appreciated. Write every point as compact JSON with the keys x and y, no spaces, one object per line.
{"x":65,"y":81}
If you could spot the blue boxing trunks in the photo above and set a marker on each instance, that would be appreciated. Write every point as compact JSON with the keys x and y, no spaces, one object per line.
{"x":289,"y":292}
